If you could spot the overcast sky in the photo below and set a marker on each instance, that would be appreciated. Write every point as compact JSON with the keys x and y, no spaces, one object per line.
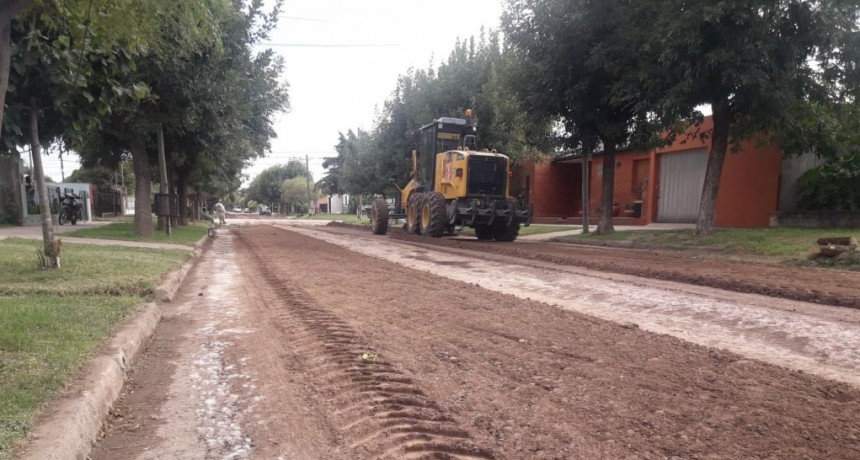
{"x":342,"y":61}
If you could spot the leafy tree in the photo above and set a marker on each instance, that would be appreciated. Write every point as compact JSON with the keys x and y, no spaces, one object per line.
{"x":266,"y":187}
{"x":101,"y":176}
{"x":48,"y":93}
{"x":294,"y":192}
{"x":346,"y":148}
{"x":116,"y":24}
{"x":215,"y":98}
{"x":514,"y":129}
{"x":73,"y":68}
{"x":420,"y":96}
{"x":220,"y":103}
{"x":755,"y":62}
{"x":573,"y":62}
{"x":9,"y":9}
{"x":226,"y":97}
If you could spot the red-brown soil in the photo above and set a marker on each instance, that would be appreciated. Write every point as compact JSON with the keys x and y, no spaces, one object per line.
{"x":353,"y":357}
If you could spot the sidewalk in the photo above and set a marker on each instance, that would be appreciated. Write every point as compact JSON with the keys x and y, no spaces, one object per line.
{"x":34,"y":232}
{"x":618,"y":228}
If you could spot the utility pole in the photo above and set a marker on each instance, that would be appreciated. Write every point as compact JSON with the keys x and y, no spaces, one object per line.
{"x":62,"y":171}
{"x":308,"y":167}
{"x":162,"y":187}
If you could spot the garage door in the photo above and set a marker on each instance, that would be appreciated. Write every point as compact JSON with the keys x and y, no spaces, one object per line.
{"x":682,"y":176}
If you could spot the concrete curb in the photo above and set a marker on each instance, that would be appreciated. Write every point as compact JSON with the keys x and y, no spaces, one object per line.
{"x":170,"y":284}
{"x":74,"y":424}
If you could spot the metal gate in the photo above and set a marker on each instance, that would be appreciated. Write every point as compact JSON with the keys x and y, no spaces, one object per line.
{"x":682,"y":176}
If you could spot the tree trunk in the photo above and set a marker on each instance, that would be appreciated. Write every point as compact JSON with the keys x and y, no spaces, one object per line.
{"x":706,"y":221}
{"x":195,"y":211}
{"x":142,"y":187}
{"x":585,"y":187}
{"x":172,"y":187}
{"x":5,"y":62}
{"x":8,"y":11}
{"x":608,"y":189}
{"x":182,"y":186}
{"x":51,"y":250}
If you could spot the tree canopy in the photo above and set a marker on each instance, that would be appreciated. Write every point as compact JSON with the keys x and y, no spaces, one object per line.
{"x":367,"y":161}
{"x":573,"y":64}
{"x":586,"y":75}
{"x":757,"y":63}
{"x":190,"y":68}
{"x":266,"y":187}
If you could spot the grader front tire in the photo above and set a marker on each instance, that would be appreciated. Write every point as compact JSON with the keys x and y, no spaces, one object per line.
{"x":484,"y":232}
{"x":379,"y":217}
{"x":434,"y":216}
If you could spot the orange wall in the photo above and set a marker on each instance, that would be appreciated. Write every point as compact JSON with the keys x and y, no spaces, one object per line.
{"x":623,"y":190}
{"x":748,"y":193}
{"x":555,"y":190}
{"x":749,"y":187}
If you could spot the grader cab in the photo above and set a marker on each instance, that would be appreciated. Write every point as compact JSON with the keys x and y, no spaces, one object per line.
{"x":455,"y":185}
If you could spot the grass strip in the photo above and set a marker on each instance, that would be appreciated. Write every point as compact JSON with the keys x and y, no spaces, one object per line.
{"x":183,"y":234}
{"x":87,"y":269}
{"x":43,"y":341}
{"x":772,"y":242}
{"x":51,"y":320}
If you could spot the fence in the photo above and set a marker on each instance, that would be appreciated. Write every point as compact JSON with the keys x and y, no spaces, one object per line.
{"x":108,"y":202}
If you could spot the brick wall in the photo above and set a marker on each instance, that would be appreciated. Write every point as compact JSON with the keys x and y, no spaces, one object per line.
{"x":556,"y":191}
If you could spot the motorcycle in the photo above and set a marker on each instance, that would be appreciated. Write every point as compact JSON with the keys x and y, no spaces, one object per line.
{"x":71,"y":210}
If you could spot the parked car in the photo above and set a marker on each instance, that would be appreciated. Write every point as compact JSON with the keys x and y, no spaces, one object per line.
{"x":265,"y":211}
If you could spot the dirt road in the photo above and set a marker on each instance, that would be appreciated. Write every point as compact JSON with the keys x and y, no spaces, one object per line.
{"x":285,"y":344}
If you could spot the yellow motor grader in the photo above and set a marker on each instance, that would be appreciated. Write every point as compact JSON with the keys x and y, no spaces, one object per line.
{"x":455,"y":185}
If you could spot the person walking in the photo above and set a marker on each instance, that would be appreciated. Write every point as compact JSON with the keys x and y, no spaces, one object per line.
{"x":219,"y":208}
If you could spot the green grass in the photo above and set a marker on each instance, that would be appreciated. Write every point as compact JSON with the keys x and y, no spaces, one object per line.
{"x":773,"y":242}
{"x":87,"y":269}
{"x":51,"y":320}
{"x":537,"y":229}
{"x":187,"y":235}
{"x":43,"y":340}
{"x":115,"y":219}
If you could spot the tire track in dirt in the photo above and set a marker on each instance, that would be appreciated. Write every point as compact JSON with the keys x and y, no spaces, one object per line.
{"x":813,"y":338}
{"x":383,"y":412}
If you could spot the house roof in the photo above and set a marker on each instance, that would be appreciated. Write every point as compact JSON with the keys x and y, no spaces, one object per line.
{"x":576,"y":157}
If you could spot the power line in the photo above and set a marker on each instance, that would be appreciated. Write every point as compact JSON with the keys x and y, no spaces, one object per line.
{"x":297,"y":18}
{"x":331,"y":45}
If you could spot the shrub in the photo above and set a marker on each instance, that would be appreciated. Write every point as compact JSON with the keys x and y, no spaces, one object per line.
{"x":833,"y":186}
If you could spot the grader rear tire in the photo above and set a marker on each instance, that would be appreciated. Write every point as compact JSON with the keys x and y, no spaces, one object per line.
{"x":434,"y":216}
{"x":413,"y":213}
{"x":379,"y":217}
